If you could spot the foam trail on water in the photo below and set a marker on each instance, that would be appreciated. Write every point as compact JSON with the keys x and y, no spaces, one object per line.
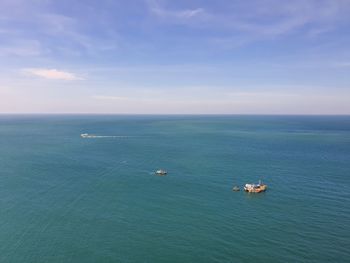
{"x":93,"y":136}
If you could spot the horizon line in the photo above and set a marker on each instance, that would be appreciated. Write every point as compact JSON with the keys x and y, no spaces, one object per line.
{"x":180,"y":114}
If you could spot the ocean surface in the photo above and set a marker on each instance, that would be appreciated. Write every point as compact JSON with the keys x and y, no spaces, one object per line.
{"x":64,"y":198}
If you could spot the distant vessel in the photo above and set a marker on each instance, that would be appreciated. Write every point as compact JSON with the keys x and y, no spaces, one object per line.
{"x":86,"y":135}
{"x":235,"y":188}
{"x":161,"y":172}
{"x":255,"y":188}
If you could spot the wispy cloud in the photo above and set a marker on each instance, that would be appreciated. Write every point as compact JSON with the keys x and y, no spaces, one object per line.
{"x":59,"y":33}
{"x":253,"y":102}
{"x":178,"y":14}
{"x":24,"y":48}
{"x":52,"y":74}
{"x":273,"y":17}
{"x":342,"y":64}
{"x":175,"y":15}
{"x":106,"y":97}
{"x":252,"y":21}
{"x":4,"y":89}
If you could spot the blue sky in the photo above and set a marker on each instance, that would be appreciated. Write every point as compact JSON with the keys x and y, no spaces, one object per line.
{"x":162,"y":56}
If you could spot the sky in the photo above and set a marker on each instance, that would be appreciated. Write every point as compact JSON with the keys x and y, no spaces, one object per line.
{"x":175,"y":57}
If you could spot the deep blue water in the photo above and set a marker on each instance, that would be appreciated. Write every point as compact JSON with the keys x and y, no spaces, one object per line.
{"x":68,"y":199}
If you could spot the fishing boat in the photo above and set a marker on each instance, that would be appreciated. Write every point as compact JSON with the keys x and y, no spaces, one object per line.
{"x":255,"y":188}
{"x":161,"y":172}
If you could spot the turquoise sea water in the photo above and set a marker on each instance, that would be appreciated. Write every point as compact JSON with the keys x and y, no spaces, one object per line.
{"x":68,"y":199}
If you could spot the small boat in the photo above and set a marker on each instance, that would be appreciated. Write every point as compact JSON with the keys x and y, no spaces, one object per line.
{"x":161,"y":172}
{"x":255,"y":188}
{"x":86,"y":135}
{"x":235,"y":188}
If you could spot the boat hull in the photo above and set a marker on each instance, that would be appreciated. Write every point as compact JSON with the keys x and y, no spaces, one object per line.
{"x":255,"y":189}
{"x":161,"y":172}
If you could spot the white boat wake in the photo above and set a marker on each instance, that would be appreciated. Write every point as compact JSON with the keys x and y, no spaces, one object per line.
{"x":93,"y":136}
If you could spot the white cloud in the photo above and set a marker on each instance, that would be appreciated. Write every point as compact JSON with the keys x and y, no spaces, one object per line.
{"x":52,"y":74}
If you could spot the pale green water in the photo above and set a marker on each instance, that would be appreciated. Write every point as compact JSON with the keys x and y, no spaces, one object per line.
{"x":68,"y":199}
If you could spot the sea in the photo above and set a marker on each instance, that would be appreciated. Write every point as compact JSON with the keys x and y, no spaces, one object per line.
{"x":64,"y":198}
